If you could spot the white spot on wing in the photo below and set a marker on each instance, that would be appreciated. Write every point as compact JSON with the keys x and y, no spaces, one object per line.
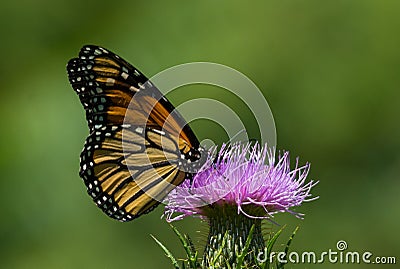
{"x":133,"y":89}
{"x":159,"y":132}
{"x":139,"y":130}
{"x":124,"y":75}
{"x":110,"y":82}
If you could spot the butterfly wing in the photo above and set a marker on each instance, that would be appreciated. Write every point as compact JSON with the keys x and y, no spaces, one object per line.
{"x":132,"y":157}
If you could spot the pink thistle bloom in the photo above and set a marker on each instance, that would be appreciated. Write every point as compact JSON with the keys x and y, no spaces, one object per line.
{"x":247,"y":178}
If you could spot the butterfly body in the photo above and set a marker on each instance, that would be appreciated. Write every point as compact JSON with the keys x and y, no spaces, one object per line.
{"x":139,"y":147}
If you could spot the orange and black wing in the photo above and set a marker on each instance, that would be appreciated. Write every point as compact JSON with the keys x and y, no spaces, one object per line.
{"x":137,"y":143}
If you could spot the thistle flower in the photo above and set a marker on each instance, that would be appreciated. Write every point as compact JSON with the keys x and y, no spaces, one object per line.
{"x":242,"y":186}
{"x":234,"y":192}
{"x":240,"y":178}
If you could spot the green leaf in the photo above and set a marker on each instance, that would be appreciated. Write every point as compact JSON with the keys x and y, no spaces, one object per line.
{"x":282,"y":265}
{"x":290,"y":240}
{"x":242,"y":255}
{"x":271,"y":242}
{"x":193,"y":259}
{"x":168,"y":253}
{"x":188,"y":246}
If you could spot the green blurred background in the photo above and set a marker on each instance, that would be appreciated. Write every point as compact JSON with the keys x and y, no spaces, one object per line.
{"x":329,"y":70}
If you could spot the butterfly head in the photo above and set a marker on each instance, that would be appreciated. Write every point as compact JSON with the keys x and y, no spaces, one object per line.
{"x":194,"y":159}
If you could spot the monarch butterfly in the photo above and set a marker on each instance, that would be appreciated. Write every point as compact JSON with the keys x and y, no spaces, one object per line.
{"x":139,"y":147}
